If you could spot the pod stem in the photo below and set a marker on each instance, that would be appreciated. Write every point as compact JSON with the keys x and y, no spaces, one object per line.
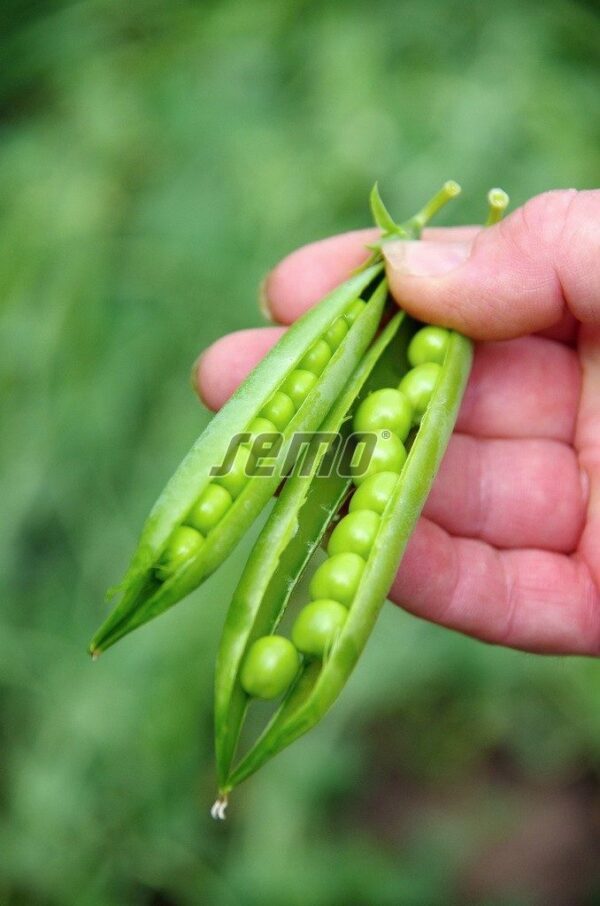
{"x":449,"y":190}
{"x":410,"y":229}
{"x":498,"y":202}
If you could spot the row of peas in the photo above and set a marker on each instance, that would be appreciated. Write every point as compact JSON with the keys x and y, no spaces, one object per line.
{"x":218,"y":496}
{"x":272,"y":661}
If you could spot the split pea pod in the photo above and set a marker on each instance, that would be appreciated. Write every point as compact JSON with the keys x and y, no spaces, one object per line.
{"x":319,"y":682}
{"x":303,"y":511}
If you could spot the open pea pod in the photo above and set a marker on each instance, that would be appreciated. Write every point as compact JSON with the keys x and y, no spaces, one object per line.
{"x":308,"y":502}
{"x":319,"y":682}
{"x":144,"y":595}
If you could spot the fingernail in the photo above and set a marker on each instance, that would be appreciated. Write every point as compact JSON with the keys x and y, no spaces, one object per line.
{"x":426,"y":258}
{"x":263,"y":299}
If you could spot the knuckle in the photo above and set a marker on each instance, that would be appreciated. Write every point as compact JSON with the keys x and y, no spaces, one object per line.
{"x":582,"y":216}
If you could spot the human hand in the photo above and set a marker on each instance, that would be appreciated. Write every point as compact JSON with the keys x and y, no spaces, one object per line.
{"x":508,"y":547}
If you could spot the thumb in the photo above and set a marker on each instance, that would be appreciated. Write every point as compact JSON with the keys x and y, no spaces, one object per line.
{"x":517,"y":277}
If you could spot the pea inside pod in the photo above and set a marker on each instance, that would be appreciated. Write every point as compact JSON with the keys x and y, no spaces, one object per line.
{"x":317,"y":627}
{"x":269,"y":667}
{"x":418,"y":385}
{"x":428,"y":345}
{"x":385,"y":409}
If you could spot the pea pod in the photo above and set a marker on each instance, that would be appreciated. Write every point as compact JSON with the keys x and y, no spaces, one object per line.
{"x":319,"y":683}
{"x":144,"y":595}
{"x":301,"y":515}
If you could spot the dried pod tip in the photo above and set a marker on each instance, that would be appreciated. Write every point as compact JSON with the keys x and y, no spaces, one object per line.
{"x":219,"y":808}
{"x":498,"y":202}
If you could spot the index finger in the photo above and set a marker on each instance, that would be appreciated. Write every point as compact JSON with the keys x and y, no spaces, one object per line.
{"x":309,"y":273}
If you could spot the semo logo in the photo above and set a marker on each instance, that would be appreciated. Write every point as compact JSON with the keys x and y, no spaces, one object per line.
{"x":345,"y":456}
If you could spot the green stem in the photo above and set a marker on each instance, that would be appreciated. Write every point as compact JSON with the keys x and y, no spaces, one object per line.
{"x":498,"y":202}
{"x":410,"y":229}
{"x":448,"y":191}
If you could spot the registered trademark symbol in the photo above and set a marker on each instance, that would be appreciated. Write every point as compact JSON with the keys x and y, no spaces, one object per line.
{"x":385,"y":434}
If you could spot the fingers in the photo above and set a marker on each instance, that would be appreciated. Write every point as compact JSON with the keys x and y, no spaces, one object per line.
{"x":588,"y":444}
{"x":527,"y":387}
{"x":536,"y":271}
{"x":565,"y":330}
{"x":306,"y":275}
{"x":529,"y":599}
{"x":510,"y":493}
{"x":514,"y":278}
{"x":309,"y":273}
{"x":225,"y":364}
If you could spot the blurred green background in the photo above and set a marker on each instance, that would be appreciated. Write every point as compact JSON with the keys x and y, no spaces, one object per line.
{"x":156,"y":158}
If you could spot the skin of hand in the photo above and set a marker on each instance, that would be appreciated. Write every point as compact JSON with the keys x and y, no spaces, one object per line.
{"x":508,"y":547}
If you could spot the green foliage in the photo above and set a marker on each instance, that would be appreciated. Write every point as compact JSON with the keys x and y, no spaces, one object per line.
{"x":156,"y":158}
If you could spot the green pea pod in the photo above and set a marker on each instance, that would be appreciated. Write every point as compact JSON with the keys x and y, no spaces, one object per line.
{"x":143,"y":595}
{"x":319,"y":683}
{"x":301,"y":515}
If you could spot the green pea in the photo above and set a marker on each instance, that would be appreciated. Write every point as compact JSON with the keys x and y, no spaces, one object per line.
{"x":317,"y":627}
{"x":337,"y":578}
{"x":428,"y":345}
{"x":374,"y":493}
{"x":386,"y":408}
{"x":279,"y":410}
{"x":418,"y":384}
{"x":336,"y":333}
{"x":209,"y":509}
{"x":236,"y":478}
{"x":353,"y":312}
{"x":298,"y":385}
{"x":269,"y":667}
{"x":261,"y":426}
{"x":389,"y":455}
{"x":185,"y":542}
{"x":356,"y":532}
{"x":317,"y":357}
